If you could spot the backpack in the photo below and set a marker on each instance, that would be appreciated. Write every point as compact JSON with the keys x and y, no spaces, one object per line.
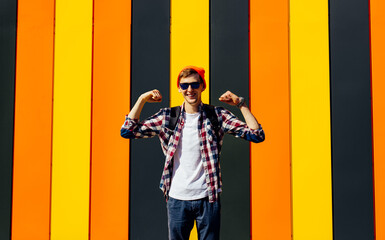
{"x":210,"y":113}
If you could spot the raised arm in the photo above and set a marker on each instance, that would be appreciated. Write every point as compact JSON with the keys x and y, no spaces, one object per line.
{"x":133,"y":128}
{"x":232,"y":99}
{"x":150,"y":96}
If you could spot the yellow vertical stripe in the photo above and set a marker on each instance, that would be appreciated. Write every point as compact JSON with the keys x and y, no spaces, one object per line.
{"x":71,"y":120}
{"x":189,"y":45}
{"x":189,"y":42}
{"x":310,"y":120}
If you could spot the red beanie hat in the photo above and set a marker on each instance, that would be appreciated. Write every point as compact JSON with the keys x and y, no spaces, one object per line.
{"x":199,"y":70}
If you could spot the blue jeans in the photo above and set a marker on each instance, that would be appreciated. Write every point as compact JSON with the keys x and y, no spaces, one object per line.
{"x":181,"y":216}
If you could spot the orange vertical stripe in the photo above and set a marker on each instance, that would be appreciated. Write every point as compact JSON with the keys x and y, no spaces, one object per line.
{"x":111,"y":94}
{"x":377,"y":20}
{"x":33,"y":120}
{"x":269,"y":86}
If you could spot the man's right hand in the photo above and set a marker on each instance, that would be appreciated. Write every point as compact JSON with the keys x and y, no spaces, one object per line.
{"x":152,"y":96}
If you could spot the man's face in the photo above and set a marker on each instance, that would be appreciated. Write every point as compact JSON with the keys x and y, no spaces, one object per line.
{"x":191,"y":96}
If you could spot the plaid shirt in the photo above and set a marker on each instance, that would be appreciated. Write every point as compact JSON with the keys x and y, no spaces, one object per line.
{"x":210,"y":145}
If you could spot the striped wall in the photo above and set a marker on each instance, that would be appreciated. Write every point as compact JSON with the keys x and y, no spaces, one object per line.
{"x":8,"y":24}
{"x":311,"y":71}
{"x":270,"y":99}
{"x":229,"y":40}
{"x":34,"y":91}
{"x":350,"y":84}
{"x":70,"y":179}
{"x":109,"y":183}
{"x":310,"y":120}
{"x":377,"y":37}
{"x":189,"y":47}
{"x":150,"y":68}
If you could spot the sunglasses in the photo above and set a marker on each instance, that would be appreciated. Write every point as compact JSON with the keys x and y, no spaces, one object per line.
{"x":194,"y":85}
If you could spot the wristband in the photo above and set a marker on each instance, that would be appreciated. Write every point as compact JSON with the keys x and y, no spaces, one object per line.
{"x":241,"y":102}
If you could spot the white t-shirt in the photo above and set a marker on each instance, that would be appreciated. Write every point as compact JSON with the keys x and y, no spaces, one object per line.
{"x":188,"y":178}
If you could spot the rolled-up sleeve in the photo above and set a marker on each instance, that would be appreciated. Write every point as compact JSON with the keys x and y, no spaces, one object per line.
{"x":148,"y":128}
{"x":232,"y":125}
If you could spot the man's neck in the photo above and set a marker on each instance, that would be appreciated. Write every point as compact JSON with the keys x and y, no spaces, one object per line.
{"x":191,"y":108}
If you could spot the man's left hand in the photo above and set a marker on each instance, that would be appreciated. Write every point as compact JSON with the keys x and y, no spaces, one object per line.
{"x":229,"y":98}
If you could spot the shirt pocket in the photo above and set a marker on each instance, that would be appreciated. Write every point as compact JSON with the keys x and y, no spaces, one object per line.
{"x":211,"y":137}
{"x":167,"y":133}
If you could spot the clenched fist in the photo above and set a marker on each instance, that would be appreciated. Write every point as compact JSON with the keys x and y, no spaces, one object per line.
{"x":152,"y":96}
{"x":229,"y":98}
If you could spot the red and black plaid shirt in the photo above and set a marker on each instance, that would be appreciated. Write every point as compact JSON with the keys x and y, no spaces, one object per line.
{"x":210,"y":145}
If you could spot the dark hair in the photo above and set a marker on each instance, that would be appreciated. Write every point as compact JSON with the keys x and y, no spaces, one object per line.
{"x":187,"y":73}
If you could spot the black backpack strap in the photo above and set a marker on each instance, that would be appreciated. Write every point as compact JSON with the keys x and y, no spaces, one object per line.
{"x":212,"y":115}
{"x":174,"y":115}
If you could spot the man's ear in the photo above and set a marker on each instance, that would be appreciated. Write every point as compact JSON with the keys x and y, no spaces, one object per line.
{"x":179,"y":90}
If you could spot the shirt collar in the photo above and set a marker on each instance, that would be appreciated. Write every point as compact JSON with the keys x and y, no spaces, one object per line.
{"x":200,"y":107}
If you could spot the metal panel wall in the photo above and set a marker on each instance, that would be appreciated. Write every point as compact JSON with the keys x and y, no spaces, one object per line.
{"x":377,"y":37}
{"x":189,"y":43}
{"x":71,"y":120}
{"x":351,"y":120}
{"x":229,"y":64}
{"x":33,"y":107}
{"x":8,"y":18}
{"x":270,"y":102}
{"x":111,"y":95}
{"x":310,"y":120}
{"x":150,"y":68}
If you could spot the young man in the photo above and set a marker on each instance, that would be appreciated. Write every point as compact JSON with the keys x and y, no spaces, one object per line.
{"x":191,"y":180}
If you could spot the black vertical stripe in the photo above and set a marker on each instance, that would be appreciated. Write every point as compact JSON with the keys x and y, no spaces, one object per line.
{"x":150,"y":63}
{"x":8,"y":17}
{"x":353,"y":216}
{"x":229,"y":68}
